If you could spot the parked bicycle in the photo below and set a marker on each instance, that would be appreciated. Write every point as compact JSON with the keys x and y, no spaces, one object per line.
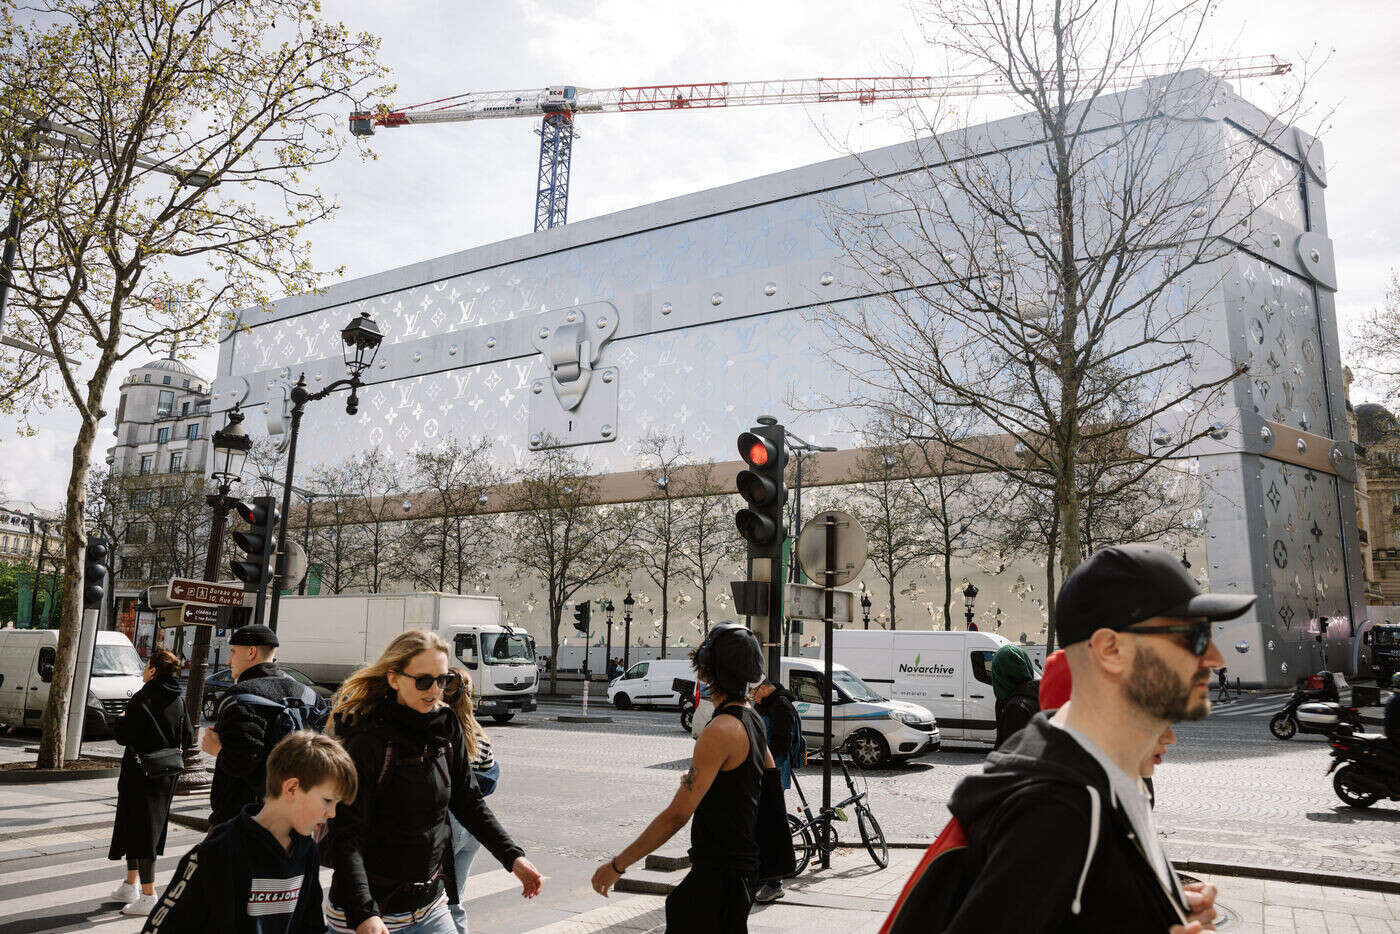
{"x":813,"y":832}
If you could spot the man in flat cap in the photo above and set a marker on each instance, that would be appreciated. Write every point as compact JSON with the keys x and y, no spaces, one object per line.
{"x":246,"y":726}
{"x":1059,"y":820}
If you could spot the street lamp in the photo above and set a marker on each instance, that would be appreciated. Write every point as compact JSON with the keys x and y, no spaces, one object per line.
{"x":607,"y":606}
{"x":362,"y":338}
{"x":627,"y":604}
{"x":970,"y":594}
{"x":865,"y":605}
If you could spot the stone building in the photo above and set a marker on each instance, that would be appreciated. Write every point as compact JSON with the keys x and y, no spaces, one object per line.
{"x":1378,"y":432}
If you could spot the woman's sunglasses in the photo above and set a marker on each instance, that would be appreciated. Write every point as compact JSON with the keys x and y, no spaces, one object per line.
{"x":426,"y":682}
{"x":1197,"y":634}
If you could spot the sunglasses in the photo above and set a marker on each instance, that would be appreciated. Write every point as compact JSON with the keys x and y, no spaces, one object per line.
{"x":426,"y":682}
{"x":1197,"y":634}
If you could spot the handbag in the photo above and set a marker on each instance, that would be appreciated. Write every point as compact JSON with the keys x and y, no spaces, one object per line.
{"x":487,"y":778}
{"x":164,"y":761}
{"x":776,"y":857}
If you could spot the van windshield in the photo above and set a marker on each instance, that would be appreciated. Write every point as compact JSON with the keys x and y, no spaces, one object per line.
{"x":1387,"y":635}
{"x":855,"y":688}
{"x":502,"y":648}
{"x":113,"y":661}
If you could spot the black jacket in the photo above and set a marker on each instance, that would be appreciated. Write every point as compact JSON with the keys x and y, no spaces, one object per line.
{"x":1055,"y":852}
{"x":780,"y":715}
{"x":154,"y":719}
{"x":239,"y":880}
{"x":392,"y":848}
{"x":240,"y":771}
{"x":1016,"y":710}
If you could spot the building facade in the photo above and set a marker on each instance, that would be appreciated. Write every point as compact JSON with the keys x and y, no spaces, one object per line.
{"x":695,"y":315}
{"x":1378,"y":432}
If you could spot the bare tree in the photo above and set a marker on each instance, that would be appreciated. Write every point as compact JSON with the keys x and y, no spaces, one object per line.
{"x":659,"y":523}
{"x":375,"y":510}
{"x":139,"y":144}
{"x":1376,"y":340}
{"x":560,"y":534}
{"x":708,"y":539}
{"x":1054,"y":295}
{"x":335,"y":548}
{"x":456,"y":541}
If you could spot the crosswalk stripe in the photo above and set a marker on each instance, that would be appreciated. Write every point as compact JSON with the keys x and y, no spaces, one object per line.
{"x":641,"y":913}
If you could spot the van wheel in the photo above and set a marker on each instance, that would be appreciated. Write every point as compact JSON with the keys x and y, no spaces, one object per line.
{"x":869,"y":750}
{"x":503,"y":717}
{"x":621,"y":701}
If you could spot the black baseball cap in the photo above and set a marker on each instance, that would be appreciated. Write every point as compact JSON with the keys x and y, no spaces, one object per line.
{"x":253,"y":634}
{"x":1123,"y":585}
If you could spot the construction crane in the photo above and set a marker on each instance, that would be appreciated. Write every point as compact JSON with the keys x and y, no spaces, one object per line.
{"x":558,"y":105}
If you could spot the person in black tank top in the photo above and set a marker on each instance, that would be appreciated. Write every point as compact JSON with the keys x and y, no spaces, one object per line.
{"x":721,"y":789}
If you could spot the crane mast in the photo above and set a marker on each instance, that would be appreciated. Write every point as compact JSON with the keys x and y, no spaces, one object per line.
{"x":557,"y":105}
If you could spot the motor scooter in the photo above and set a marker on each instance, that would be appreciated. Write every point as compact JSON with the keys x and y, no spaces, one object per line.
{"x":1287,"y":723}
{"x":1367,"y":767}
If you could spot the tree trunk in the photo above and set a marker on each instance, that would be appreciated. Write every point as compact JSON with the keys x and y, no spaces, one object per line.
{"x":55,"y":722}
{"x":554,"y":612}
{"x":891,"y":583}
{"x":665,"y":607}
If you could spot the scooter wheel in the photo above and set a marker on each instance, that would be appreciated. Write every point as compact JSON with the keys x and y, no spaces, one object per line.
{"x":1343,"y":784}
{"x":1283,"y":726}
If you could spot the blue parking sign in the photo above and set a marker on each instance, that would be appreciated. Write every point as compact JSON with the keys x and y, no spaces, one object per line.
{"x":220,"y":632}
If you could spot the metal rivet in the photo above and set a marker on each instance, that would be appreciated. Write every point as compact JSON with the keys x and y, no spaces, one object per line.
{"x":452,"y":350}
{"x":571,"y":317}
{"x":1316,"y":256}
{"x":537,"y":388}
{"x":1277,"y":240}
{"x":1302,"y":446}
{"x":608,"y":375}
{"x":535,"y":441}
{"x":827,"y":278}
{"x":1198,"y":212}
{"x":607,"y":431}
{"x":490,"y":342}
{"x":319,"y":376}
{"x":1266,"y":435}
{"x":886,"y":270}
{"x":482,"y":499}
{"x":666,"y":308}
{"x":1218,"y":431}
{"x":417,"y":356}
{"x":770,"y":289}
{"x":602,"y":323}
{"x":383,"y":364}
{"x":544,"y":333}
{"x":1335,"y":454}
{"x":717,"y":298}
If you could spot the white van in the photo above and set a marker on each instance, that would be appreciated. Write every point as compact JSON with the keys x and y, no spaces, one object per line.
{"x":649,"y":683}
{"x":26,"y":668}
{"x":945,"y":671}
{"x":874,"y":730}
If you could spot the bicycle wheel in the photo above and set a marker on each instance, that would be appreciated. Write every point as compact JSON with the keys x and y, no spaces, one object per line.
{"x":802,"y":845}
{"x":872,"y":835}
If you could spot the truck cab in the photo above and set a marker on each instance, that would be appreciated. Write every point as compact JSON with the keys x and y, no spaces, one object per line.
{"x":1385,"y":651}
{"x":501,"y":662}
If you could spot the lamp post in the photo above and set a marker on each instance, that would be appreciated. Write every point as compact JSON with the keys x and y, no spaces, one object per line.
{"x":362,"y":338}
{"x":627,"y":604}
{"x":970,"y":594}
{"x":231,"y":445}
{"x":799,"y":448}
{"x":865,"y":605}
{"x":607,"y":607}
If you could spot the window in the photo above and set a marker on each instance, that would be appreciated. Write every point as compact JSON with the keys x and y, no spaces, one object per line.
{"x":192,"y":431}
{"x":45,"y":667}
{"x":7,"y":543}
{"x":136,"y":534}
{"x":133,"y":499}
{"x":166,"y":404}
{"x":638,"y":670}
{"x":806,"y":687}
{"x":465,"y":644}
{"x":147,"y":378}
{"x":165,"y":381}
{"x":162,"y":435}
{"x":147,"y":461}
{"x":185,"y":383}
{"x":980,"y":661}
{"x":184,"y":408}
{"x":177,"y":461}
{"x":167,"y":497}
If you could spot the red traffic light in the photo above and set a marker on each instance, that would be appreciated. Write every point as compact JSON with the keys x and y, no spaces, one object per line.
{"x":757,"y":451}
{"x":758,"y":454}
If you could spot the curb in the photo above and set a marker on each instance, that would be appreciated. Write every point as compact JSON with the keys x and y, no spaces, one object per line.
{"x":191,"y":821}
{"x":40,"y":776}
{"x":579,"y":718}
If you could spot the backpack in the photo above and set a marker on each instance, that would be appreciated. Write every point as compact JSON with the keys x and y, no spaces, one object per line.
{"x":937,"y":887}
{"x":306,"y":712}
{"x":797,"y":751}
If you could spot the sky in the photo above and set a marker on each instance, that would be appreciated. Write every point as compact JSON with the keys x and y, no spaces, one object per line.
{"x":439,"y":189}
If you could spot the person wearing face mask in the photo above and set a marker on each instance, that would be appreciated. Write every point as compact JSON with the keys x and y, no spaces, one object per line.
{"x":406,"y":722}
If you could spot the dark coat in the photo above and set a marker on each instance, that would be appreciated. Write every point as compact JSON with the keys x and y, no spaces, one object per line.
{"x":392,"y":847}
{"x":1016,"y":709}
{"x":240,"y":771}
{"x":154,"y":717}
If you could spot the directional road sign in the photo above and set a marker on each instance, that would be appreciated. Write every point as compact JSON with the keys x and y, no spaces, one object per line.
{"x":205,"y":593}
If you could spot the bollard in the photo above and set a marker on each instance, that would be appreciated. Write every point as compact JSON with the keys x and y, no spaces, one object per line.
{"x":585,"y":695}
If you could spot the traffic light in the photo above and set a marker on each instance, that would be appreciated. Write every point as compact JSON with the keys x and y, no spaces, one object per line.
{"x":259,"y":542}
{"x":761,"y":522}
{"x":581,"y":614}
{"x":94,"y":573}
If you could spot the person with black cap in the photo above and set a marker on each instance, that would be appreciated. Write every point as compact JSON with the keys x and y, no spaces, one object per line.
{"x":1060,"y":828}
{"x":721,"y":789}
{"x":239,"y":738}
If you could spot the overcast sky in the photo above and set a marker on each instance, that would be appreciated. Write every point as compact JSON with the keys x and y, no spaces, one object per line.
{"x":438,"y":189}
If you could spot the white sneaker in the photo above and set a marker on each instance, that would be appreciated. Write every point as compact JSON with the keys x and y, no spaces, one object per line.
{"x":141,"y":907}
{"x":126,"y":893}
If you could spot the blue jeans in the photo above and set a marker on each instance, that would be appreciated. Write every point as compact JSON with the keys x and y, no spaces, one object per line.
{"x":437,"y":922}
{"x":464,"y":850}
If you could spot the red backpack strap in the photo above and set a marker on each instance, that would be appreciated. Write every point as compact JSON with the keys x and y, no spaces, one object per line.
{"x":952,"y":840}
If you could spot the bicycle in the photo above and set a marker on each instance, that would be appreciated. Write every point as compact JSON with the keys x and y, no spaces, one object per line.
{"x":814,"y":832}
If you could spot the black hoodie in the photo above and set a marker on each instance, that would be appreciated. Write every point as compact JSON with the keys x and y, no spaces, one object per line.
{"x":1055,"y":851}
{"x":240,"y":880}
{"x":383,"y":844}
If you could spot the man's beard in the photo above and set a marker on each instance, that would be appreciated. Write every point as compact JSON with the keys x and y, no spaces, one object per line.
{"x":1161,"y":692}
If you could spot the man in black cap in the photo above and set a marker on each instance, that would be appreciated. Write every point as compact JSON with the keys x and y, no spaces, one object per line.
{"x":1060,"y":829}
{"x":239,"y":736}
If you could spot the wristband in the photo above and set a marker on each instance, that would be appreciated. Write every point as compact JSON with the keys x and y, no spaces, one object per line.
{"x":613,"y":863}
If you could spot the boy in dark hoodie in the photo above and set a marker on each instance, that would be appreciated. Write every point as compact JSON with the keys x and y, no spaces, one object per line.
{"x":259,"y":873}
{"x":1059,"y":827}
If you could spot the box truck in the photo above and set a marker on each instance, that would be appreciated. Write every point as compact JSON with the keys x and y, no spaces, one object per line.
{"x":328,"y":637}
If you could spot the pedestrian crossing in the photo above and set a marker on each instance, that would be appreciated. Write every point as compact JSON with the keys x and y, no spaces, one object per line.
{"x":71,"y":892}
{"x":1251,"y":706}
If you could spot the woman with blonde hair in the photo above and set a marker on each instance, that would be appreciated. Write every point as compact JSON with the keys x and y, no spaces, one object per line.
{"x":406,"y":721}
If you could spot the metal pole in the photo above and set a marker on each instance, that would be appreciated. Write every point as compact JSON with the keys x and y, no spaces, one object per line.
{"x":297,"y":409}
{"x":82,"y":675}
{"x":626,"y":639}
{"x":194,"y":776}
{"x":306,"y":544}
{"x":607,"y":661}
{"x":38,"y":571}
{"x":828,"y":625}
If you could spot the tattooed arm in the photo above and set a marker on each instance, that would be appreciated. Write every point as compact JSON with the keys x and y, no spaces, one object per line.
{"x":722,"y":740}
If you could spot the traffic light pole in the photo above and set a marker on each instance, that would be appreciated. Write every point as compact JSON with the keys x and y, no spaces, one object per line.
{"x":82,"y":675}
{"x":828,"y":624}
{"x":194,"y":777}
{"x":299,"y":401}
